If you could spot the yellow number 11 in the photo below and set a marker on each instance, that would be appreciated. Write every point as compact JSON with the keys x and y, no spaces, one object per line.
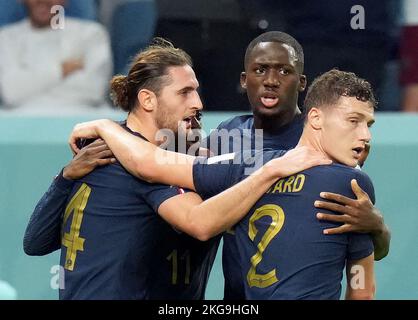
{"x":173,"y":256}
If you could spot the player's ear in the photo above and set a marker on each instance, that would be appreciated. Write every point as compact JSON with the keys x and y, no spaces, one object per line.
{"x":243,"y":80}
{"x":147,"y":99}
{"x":315,"y":118}
{"x":302,"y":83}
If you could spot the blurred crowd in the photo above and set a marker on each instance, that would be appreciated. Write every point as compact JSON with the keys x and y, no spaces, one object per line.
{"x":60,"y":61}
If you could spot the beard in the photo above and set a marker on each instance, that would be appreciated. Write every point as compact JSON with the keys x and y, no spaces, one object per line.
{"x":176,"y":138}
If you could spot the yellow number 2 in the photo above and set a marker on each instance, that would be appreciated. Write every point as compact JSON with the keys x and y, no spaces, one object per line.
{"x":277,"y":219}
{"x":72,"y":240}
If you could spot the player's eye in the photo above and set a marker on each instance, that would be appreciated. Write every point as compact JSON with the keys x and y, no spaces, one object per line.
{"x":260,"y":70}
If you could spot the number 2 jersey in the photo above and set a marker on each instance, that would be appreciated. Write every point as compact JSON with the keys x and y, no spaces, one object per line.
{"x":283,"y":253}
{"x":114,"y":245}
{"x":242,"y":134}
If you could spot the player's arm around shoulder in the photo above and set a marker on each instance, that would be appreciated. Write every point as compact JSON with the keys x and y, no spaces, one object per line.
{"x":141,"y":158}
{"x":205,"y":219}
{"x":360,"y":279}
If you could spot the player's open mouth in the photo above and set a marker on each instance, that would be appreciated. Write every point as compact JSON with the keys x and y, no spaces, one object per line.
{"x":269,"y":101}
{"x":357,"y":151}
{"x":196,"y":123}
{"x":188,"y":122}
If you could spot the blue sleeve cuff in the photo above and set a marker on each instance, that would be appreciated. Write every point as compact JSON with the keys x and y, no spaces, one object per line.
{"x":360,"y":246}
{"x":360,"y":254}
{"x":62,"y":184}
{"x":163,"y":194}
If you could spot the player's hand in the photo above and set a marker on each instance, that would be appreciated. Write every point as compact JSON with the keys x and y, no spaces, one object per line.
{"x":95,"y":154}
{"x":364,"y":154}
{"x":356,"y":215}
{"x":86,"y":130}
{"x":296,"y":160}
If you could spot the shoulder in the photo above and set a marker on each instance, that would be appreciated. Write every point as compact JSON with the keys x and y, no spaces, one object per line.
{"x":361,"y":175}
{"x":243,"y":121}
{"x":335,"y":176}
{"x":335,"y":170}
{"x":338,"y":177}
{"x":252,"y":160}
{"x":353,"y":173}
{"x":365,"y":182}
{"x":12,"y":29}
{"x":243,"y":157}
{"x":266,"y":154}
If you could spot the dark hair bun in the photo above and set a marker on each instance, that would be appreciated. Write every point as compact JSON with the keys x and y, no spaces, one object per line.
{"x":119,"y":92}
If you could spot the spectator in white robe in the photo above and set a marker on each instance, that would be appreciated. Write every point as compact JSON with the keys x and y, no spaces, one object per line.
{"x":61,"y":71}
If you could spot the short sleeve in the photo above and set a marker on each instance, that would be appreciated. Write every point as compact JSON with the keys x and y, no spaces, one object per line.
{"x":360,"y":245}
{"x":155,"y":194}
{"x":366,"y":184}
{"x":214,"y":175}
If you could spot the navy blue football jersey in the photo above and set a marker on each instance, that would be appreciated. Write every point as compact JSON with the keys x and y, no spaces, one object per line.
{"x":242,"y":133}
{"x":238,"y":134}
{"x":283,"y":253}
{"x":114,"y":245}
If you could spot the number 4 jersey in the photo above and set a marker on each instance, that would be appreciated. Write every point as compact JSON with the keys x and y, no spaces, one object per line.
{"x":114,"y":245}
{"x":282,"y":249}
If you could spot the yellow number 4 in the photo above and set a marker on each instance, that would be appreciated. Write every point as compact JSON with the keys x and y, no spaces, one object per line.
{"x":277,"y":219}
{"x":72,"y":240}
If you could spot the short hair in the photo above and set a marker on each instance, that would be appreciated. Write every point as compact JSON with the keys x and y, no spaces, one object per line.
{"x":280,"y":37}
{"x":328,"y":88}
{"x":149,"y":70}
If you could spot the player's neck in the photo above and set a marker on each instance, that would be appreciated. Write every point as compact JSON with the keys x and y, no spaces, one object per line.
{"x":311,"y":139}
{"x":273,"y":124}
{"x":140,"y":123}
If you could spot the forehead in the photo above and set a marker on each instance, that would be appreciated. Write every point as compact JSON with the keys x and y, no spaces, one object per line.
{"x":273,"y":52}
{"x":351,"y":105}
{"x":182,"y":76}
